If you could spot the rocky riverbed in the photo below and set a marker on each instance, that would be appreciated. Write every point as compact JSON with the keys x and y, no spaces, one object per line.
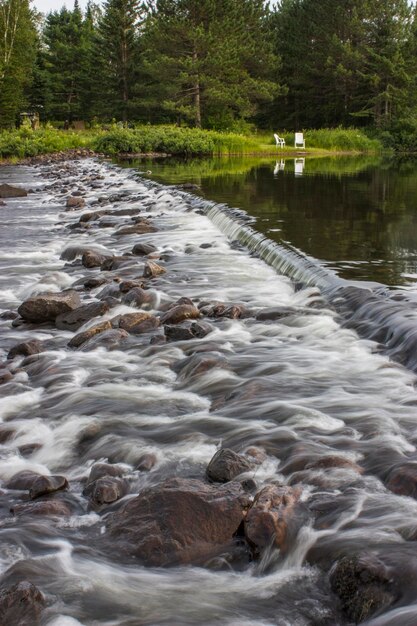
{"x":187,"y":437}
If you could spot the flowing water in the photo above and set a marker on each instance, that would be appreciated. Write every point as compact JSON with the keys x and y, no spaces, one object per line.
{"x":303,"y":387}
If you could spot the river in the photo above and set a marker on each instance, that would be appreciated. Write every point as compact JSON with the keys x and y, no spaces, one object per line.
{"x":332,"y":417}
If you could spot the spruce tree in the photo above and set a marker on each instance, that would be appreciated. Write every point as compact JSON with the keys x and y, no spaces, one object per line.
{"x":63,"y":62}
{"x":117,"y":52}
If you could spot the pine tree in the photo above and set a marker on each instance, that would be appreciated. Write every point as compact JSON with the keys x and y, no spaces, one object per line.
{"x":208,"y":61}
{"x":17,"y":57}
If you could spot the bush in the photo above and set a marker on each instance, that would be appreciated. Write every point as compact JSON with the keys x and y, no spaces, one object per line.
{"x":26,"y":142}
{"x":173,"y":140}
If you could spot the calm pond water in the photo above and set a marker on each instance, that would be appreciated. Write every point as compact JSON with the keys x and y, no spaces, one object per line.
{"x":358,"y":215}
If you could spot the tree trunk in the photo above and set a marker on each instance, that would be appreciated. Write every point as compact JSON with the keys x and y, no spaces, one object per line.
{"x":197,"y":99}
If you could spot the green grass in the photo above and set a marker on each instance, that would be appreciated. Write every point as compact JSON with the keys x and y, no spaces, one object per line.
{"x":175,"y":141}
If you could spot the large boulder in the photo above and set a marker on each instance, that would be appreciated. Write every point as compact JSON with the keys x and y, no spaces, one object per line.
{"x":182,"y":521}
{"x":226,"y":465}
{"x":21,"y":605}
{"x":363,"y":584}
{"x":10,"y":191}
{"x":47,"y":306}
{"x":79,"y":316}
{"x":272,"y":519}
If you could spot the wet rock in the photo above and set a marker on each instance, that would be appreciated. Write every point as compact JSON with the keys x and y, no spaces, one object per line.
{"x":146,"y":462}
{"x":226,"y":465}
{"x":106,"y":490}
{"x":402,"y":480}
{"x":116,"y":262}
{"x":137,"y":229}
{"x":28,"y":449}
{"x":256,"y":455}
{"x":109,"y":339}
{"x":187,"y":330}
{"x":138,"y":297}
{"x":26,"y":348}
{"x":47,"y":484}
{"x":8,"y":315}
{"x":47,"y":306}
{"x":79,"y":316}
{"x":47,"y":508}
{"x":10,"y":191}
{"x":21,"y":605}
{"x":221,"y":309}
{"x":126,"y":285}
{"x":86,"y":335}
{"x":142,"y":249}
{"x":91,"y":216}
{"x":182,"y":521}
{"x":328,"y":462}
{"x":272,"y":518}
{"x":111,"y":290}
{"x":92,"y":283}
{"x":138,"y":323}
{"x":275,"y":313}
{"x":180,"y":313}
{"x":152,"y":269}
{"x":22,"y":481}
{"x":99,"y":470}
{"x":5,"y":375}
{"x":363,"y":586}
{"x":6,"y":433}
{"x":199,"y":363}
{"x":74,"y":203}
{"x":91,"y":259}
{"x":2,"y":203}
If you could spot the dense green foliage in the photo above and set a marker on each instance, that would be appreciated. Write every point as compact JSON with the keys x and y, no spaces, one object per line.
{"x":176,"y":141}
{"x":208,"y":62}
{"x":27,"y":143}
{"x":17,"y":57}
{"x":225,"y":65}
{"x":172,"y":140}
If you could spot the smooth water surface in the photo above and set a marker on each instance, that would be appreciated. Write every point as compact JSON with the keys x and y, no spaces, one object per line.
{"x":358,"y":215}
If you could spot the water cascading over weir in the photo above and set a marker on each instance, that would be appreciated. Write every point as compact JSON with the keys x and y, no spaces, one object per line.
{"x":373,"y":310}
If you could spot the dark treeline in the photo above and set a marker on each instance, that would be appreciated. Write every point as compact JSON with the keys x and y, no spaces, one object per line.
{"x":213,"y":63}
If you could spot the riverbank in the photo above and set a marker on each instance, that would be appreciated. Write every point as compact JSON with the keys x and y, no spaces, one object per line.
{"x":170,"y":400}
{"x":174,"y":141}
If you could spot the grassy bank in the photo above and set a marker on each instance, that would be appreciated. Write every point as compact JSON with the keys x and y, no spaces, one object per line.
{"x":175,"y":141}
